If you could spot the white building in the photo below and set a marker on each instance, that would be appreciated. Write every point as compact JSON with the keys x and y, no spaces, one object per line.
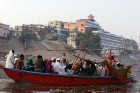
{"x":92,"y":24}
{"x":110,"y":41}
{"x":4,"y":30}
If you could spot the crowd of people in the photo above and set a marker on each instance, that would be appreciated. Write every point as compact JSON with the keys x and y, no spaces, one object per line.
{"x":60,"y":65}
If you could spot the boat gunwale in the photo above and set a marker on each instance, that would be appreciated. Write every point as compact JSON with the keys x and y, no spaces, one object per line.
{"x":68,"y":75}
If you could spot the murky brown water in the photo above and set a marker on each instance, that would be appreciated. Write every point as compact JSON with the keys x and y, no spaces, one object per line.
{"x":9,"y":86}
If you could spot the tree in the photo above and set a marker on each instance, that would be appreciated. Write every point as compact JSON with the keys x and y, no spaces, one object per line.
{"x":89,"y":41}
{"x":130,"y":44}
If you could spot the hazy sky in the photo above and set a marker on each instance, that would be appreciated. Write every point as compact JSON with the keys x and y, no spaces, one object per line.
{"x":120,"y":17}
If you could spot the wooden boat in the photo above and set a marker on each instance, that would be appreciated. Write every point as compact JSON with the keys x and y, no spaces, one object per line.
{"x":63,"y":80}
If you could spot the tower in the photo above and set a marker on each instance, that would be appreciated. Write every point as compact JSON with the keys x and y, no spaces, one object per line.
{"x":90,"y":17}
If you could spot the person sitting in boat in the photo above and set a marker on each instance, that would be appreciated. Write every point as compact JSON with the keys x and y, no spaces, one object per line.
{"x":93,"y":69}
{"x":107,"y":72}
{"x":19,"y":64}
{"x":38,"y":64}
{"x":53,"y":61}
{"x":69,"y":64}
{"x":48,"y":66}
{"x":79,"y":69}
{"x":58,"y":68}
{"x":87,"y":69}
{"x":119,"y":65}
{"x":130,"y":72}
{"x":75,"y":64}
{"x":63,"y":62}
{"x":100,"y":70}
{"x":10,"y":59}
{"x":29,"y":64}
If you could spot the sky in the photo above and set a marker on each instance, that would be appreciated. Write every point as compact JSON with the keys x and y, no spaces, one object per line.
{"x":120,"y":17}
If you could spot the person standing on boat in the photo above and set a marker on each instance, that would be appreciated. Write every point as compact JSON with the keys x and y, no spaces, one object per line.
{"x":19,"y":64}
{"x":10,"y":59}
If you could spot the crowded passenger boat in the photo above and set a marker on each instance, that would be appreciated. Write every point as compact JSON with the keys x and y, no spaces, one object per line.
{"x":61,"y":71}
{"x":63,"y":66}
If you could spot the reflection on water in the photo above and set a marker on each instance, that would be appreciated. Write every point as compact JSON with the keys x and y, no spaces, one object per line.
{"x":7,"y":85}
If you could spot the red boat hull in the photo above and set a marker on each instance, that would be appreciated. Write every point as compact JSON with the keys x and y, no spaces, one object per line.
{"x":63,"y":80}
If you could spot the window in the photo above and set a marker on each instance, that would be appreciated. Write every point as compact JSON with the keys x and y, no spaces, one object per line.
{"x":82,"y":25}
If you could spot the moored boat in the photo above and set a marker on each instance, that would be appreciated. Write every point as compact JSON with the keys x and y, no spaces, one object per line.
{"x":63,"y":80}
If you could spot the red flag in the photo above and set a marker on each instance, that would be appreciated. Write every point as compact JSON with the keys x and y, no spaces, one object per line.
{"x":106,"y":53}
{"x":111,"y":59}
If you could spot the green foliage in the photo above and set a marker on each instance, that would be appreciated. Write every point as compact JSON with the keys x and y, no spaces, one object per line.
{"x":89,"y":41}
{"x":134,"y":44}
{"x":130,"y":43}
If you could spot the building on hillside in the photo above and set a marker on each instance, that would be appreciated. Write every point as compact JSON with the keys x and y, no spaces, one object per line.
{"x":79,"y":25}
{"x":58,"y":25}
{"x":71,"y":40}
{"x":35,"y":30}
{"x":110,"y":41}
{"x":4,"y":30}
{"x":82,"y":24}
{"x":32,"y":28}
{"x":55,"y":24}
{"x":17,"y":31}
{"x":11,"y":31}
{"x":70,"y":26}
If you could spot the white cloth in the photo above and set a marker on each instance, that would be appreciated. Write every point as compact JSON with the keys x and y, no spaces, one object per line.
{"x":53,"y":64}
{"x":58,"y":68}
{"x":10,"y":60}
{"x":15,"y":60}
{"x":100,"y":71}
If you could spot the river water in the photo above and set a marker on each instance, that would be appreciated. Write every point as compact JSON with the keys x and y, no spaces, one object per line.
{"x":9,"y":86}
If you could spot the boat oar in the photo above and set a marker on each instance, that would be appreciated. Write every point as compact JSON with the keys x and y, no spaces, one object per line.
{"x":74,"y":63}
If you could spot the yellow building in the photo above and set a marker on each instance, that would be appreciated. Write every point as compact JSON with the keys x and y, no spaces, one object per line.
{"x":71,"y":40}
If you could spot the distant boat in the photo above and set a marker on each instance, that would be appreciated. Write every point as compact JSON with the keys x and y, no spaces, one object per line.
{"x":63,"y":80}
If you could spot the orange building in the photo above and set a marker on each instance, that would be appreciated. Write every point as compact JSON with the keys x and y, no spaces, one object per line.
{"x":70,"y":26}
{"x":83,"y":23}
{"x":80,"y":24}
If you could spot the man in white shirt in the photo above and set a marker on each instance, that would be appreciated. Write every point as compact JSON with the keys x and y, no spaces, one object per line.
{"x":10,"y":59}
{"x":58,"y":68}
